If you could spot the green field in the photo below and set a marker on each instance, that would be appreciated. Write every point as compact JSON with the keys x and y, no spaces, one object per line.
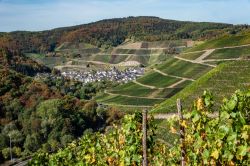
{"x":221,"y":81}
{"x":157,"y":80}
{"x":192,"y":56}
{"x":183,"y":68}
{"x":228,"y":53}
{"x":225,"y":41}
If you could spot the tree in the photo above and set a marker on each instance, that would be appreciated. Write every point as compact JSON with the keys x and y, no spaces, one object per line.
{"x":32,"y":143}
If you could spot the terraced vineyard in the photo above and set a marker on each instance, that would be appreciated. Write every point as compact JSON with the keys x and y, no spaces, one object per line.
{"x":182,"y":68}
{"x":156,"y":85}
{"x":225,"y":41}
{"x":192,"y":55}
{"x":157,"y":80}
{"x":132,"y":89}
{"x":118,"y":100}
{"x":222,"y":81}
{"x":227,"y":53}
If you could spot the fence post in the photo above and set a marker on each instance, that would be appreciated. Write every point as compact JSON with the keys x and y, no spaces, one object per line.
{"x":144,"y":139}
{"x":182,"y":132}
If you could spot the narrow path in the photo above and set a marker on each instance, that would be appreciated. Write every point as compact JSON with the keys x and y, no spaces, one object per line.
{"x":245,"y":45}
{"x":192,"y":61}
{"x":177,"y":83}
{"x":155,"y":93}
{"x":165,"y":74}
{"x":110,"y":93}
{"x":130,"y":56}
{"x":217,"y":60}
{"x":98,"y":62}
{"x":192,"y":52}
{"x":147,"y":86}
{"x":203,"y":56}
{"x":219,"y":48}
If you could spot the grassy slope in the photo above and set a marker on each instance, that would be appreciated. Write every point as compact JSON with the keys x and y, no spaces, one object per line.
{"x":221,"y":81}
{"x":227,"y":40}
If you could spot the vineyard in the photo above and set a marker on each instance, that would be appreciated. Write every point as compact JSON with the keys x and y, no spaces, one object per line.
{"x":203,"y":140}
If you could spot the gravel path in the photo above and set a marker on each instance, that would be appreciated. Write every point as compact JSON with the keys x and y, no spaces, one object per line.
{"x":146,"y":86}
{"x":165,"y":74}
{"x":203,"y":56}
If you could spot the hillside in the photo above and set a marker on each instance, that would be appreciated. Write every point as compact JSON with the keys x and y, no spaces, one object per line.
{"x":170,"y":76}
{"x":17,"y":61}
{"x":113,"y":32}
{"x":221,"y":81}
{"x":228,"y":40}
{"x":159,"y":83}
{"x":46,"y":113}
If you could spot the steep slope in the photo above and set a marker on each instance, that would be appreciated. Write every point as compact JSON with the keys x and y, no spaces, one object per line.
{"x":159,"y":83}
{"x":221,"y":81}
{"x":18,"y":62}
{"x":228,"y":40}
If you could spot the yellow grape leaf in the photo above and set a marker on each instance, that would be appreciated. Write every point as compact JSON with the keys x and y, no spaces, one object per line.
{"x":200,"y":104}
{"x":215,"y":154}
{"x":244,"y":135}
{"x":184,"y":124}
{"x":173,"y":130}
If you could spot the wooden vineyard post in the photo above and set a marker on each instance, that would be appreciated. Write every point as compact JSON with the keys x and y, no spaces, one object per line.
{"x":144,"y":139}
{"x":182,"y":132}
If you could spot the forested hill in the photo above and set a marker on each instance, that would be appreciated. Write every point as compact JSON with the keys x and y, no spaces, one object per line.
{"x":112,"y":32}
{"x":17,"y":61}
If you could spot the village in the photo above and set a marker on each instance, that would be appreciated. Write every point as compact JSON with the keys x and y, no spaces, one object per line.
{"x":113,"y":74}
{"x":121,"y":76}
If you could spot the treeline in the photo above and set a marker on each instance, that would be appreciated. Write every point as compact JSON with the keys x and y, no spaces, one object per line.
{"x":112,"y":32}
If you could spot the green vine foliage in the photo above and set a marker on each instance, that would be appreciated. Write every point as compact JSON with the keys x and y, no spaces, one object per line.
{"x":119,"y":146}
{"x":212,"y":137}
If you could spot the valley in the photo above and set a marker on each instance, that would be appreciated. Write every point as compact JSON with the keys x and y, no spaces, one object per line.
{"x":164,"y":68}
{"x":84,"y":88}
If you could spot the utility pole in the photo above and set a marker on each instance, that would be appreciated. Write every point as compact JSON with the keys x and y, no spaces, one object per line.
{"x":182,"y":132}
{"x":144,"y":139}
